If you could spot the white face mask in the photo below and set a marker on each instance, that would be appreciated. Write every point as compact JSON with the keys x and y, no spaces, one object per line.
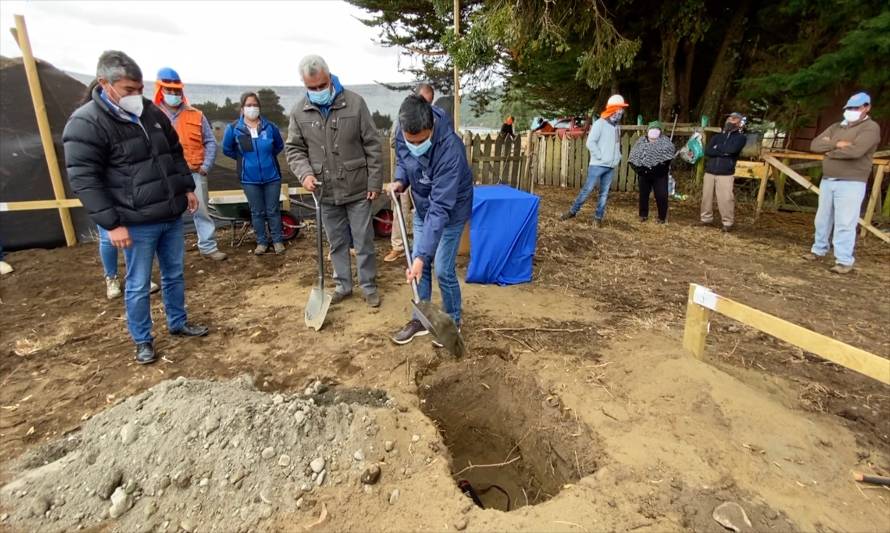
{"x":251,"y":112}
{"x":852,"y":115}
{"x":653,"y":133}
{"x":131,"y":104}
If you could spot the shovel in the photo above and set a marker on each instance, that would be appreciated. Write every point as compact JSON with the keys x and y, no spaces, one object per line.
{"x":319,"y":302}
{"x":433,"y":319}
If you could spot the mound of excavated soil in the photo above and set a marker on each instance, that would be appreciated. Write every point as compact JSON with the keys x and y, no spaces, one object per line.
{"x":199,"y":455}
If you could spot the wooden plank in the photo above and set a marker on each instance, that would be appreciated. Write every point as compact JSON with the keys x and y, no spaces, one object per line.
{"x":487,"y":171}
{"x":786,"y":154}
{"x":825,"y":347}
{"x":565,"y":157}
{"x":516,"y":169}
{"x":34,"y":205}
{"x":885,"y":212}
{"x":477,"y":151}
{"x":761,"y":193}
{"x":43,"y":126}
{"x":873,"y":199}
{"x":497,"y":164}
{"x":697,"y":325}
{"x":285,"y":192}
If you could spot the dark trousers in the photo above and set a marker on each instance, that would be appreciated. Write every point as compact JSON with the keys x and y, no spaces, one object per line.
{"x":659,"y":185}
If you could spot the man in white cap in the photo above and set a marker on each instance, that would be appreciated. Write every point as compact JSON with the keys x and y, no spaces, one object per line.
{"x":604,"y":143}
{"x":848,"y":146}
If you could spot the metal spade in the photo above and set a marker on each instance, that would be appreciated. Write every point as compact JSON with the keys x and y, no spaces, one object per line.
{"x":319,"y":302}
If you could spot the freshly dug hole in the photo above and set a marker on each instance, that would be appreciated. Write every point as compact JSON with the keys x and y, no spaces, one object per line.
{"x":496,"y":414}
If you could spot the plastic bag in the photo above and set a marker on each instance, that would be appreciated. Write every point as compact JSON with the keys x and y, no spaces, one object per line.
{"x":693,"y":151}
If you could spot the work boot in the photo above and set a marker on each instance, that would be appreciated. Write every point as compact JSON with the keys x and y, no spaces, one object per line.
{"x":810,"y":256}
{"x":567,"y":215}
{"x":5,"y":268}
{"x":112,"y":287}
{"x":191,"y":330}
{"x":145,"y":353}
{"x":373,"y":299}
{"x":278,"y":247}
{"x":437,"y":344}
{"x":393,"y":255}
{"x":661,"y":221}
{"x":338,"y":296}
{"x":216,"y":255}
{"x":841,"y":269}
{"x":412,"y":329}
{"x":260,"y":249}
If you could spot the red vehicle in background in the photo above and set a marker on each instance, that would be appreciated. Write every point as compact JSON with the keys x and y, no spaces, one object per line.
{"x":564,"y":127}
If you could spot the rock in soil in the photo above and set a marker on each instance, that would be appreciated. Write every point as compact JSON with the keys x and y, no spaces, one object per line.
{"x":731,"y":516}
{"x":371,"y":475}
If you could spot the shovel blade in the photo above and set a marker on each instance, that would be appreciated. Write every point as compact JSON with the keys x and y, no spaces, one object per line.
{"x":317,"y":308}
{"x":442,"y":327}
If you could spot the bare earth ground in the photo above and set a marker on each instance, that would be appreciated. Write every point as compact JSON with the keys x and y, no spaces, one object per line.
{"x":581,"y":373}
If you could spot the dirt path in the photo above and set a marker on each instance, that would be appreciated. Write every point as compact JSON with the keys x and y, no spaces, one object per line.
{"x":594,"y":349}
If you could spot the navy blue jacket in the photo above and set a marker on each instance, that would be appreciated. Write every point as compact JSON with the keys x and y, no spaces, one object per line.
{"x":441,"y":183}
{"x":723,"y":150}
{"x":257,"y":161}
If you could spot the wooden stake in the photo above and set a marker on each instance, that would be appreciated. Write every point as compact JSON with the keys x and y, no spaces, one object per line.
{"x":873,"y":199}
{"x":697,"y":325}
{"x":456,"y":71}
{"x":46,"y":135}
{"x":761,"y":192}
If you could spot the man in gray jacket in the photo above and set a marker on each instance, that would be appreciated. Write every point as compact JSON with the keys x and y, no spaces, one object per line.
{"x":334,"y":149}
{"x":603,"y":141}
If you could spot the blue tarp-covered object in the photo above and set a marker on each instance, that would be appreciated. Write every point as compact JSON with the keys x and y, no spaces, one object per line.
{"x":503,"y":235}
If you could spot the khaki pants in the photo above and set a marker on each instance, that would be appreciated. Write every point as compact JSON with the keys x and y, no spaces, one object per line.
{"x":395,"y":238}
{"x":725,"y":198}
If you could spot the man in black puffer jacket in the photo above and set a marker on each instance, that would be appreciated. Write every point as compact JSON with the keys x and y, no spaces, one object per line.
{"x":722,"y":150}
{"x":125,"y":163}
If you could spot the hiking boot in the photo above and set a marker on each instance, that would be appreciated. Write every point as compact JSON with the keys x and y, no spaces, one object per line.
{"x":393,"y":255}
{"x":278,"y":247}
{"x":338,"y":297}
{"x":112,"y":288}
{"x":412,"y":329}
{"x":841,"y":269}
{"x":437,"y":344}
{"x":153,"y":287}
{"x":567,"y":215}
{"x":145,"y":353}
{"x":191,"y":330}
{"x":373,"y":299}
{"x":216,"y":255}
{"x":260,"y":249}
{"x":810,"y":256}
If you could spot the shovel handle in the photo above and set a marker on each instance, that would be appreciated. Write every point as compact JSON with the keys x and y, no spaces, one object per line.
{"x":397,"y":207}
{"x":318,"y":238}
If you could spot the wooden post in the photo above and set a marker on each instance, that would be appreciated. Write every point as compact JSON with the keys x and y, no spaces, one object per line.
{"x":46,"y":135}
{"x":761,"y":192}
{"x":779,"y":199}
{"x":697,"y":325}
{"x":873,"y":199}
{"x":456,"y":90}
{"x":564,"y":158}
{"x":285,"y":190}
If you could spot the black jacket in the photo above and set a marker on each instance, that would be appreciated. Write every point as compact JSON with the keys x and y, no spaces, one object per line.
{"x":660,"y":170}
{"x":723,"y":150}
{"x":122,"y":173}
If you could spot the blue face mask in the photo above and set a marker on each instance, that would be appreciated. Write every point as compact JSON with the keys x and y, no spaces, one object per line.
{"x":173,"y":100}
{"x":418,"y":150}
{"x":323,"y":97}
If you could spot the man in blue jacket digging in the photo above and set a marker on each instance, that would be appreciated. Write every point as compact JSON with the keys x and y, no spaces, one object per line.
{"x":432,"y":160}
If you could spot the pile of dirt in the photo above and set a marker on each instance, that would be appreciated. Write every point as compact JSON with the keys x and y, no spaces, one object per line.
{"x":185,"y":453}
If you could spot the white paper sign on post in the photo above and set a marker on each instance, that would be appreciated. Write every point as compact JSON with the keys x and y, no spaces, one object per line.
{"x":705,"y":297}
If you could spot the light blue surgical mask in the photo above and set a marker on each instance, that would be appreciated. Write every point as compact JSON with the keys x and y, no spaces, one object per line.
{"x":173,"y":100}
{"x":323,"y":97}
{"x":418,"y":150}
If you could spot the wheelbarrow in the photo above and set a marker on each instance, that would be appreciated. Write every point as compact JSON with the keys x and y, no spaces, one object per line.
{"x":235,"y":211}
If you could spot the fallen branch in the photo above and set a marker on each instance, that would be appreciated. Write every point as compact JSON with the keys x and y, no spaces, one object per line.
{"x":513,"y":460}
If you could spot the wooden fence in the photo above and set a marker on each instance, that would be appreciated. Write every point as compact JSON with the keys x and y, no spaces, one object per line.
{"x":498,"y":160}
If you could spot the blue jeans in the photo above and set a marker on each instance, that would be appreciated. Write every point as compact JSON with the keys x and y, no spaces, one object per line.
{"x":107,"y":253}
{"x":596,"y":176}
{"x":839,"y":205}
{"x":445,"y":263}
{"x":265,"y":207}
{"x":205,"y":227}
{"x":166,"y":240}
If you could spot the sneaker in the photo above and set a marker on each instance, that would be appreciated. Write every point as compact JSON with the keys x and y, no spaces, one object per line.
{"x":412,"y":329}
{"x":437,"y":344}
{"x":393,"y":255}
{"x":373,"y":299}
{"x":145,"y":353}
{"x":5,"y":268}
{"x":112,"y":288}
{"x":567,"y":215}
{"x":278,"y":247}
{"x":661,"y":221}
{"x":810,"y":256}
{"x":338,"y":297}
{"x":191,"y":330}
{"x":153,"y":287}
{"x":841,"y":269}
{"x":216,"y":255}
{"x":260,"y":249}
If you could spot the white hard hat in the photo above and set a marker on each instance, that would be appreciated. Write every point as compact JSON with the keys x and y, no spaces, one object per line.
{"x":616,"y":99}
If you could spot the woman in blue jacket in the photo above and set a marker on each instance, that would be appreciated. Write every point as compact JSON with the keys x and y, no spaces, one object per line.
{"x":255,"y":143}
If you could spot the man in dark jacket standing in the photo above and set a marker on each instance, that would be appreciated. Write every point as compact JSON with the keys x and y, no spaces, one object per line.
{"x":125,"y":163}
{"x":722,"y":150}
{"x":432,"y":160}
{"x":333,"y":146}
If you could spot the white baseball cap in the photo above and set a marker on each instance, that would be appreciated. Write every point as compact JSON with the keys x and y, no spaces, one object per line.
{"x":616,"y":99}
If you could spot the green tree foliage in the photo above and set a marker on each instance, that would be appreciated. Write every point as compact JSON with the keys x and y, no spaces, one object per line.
{"x":381,"y":122}
{"x":271,"y":107}
{"x":227,"y":112}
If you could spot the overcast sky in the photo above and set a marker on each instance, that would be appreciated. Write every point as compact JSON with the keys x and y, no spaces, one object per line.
{"x":224,"y":42}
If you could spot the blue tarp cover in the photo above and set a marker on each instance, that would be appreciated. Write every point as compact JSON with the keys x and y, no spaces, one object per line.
{"x":503,"y":235}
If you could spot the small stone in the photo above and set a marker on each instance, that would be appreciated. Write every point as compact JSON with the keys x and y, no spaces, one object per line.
{"x":266,"y":496}
{"x":3,"y":517}
{"x":266,"y":511}
{"x":39,"y":506}
{"x":268,"y":452}
{"x":394,"y":496}
{"x":389,"y":445}
{"x":110,"y":481}
{"x":204,"y":482}
{"x":120,"y":503}
{"x":359,"y":456}
{"x":305,"y":487}
{"x":461,"y":523}
{"x":300,"y":417}
{"x":277,"y":399}
{"x":731,"y":516}
{"x":321,"y":477}
{"x":187,"y":525}
{"x":317,"y":465}
{"x":415,"y":438}
{"x":211,"y":424}
{"x":150,"y":509}
{"x":129,"y":433}
{"x":284,"y":461}
{"x":371,"y":475}
{"x":182,"y":479}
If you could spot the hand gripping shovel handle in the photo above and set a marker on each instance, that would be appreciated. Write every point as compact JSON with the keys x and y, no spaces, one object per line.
{"x":397,"y":207}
